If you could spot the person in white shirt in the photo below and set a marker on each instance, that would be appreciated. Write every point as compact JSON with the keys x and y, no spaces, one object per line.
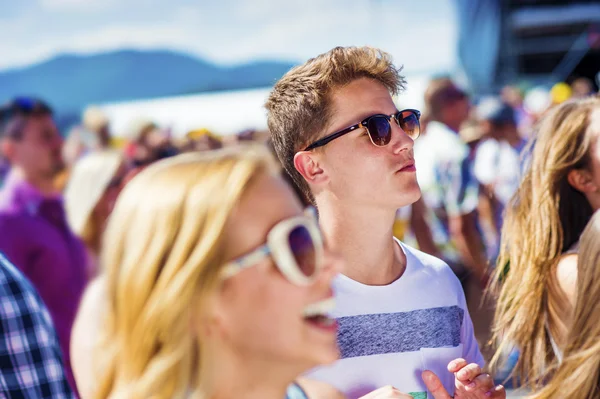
{"x":338,"y":133}
{"x":447,"y":183}
{"x":497,"y":165}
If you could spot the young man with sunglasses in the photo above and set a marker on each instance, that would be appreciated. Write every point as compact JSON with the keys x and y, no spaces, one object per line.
{"x":34,"y":233}
{"x":338,"y":133}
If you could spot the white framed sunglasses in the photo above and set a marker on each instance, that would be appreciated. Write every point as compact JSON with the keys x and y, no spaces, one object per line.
{"x":296,"y":246}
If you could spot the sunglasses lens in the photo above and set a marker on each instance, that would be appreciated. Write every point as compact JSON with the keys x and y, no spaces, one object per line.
{"x":380,"y":130}
{"x":303,"y":248}
{"x":409,"y":122}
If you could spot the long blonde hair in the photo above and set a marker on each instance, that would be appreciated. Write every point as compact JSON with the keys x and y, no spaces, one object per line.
{"x":579,"y":374}
{"x":544,"y":218}
{"x":162,"y":257}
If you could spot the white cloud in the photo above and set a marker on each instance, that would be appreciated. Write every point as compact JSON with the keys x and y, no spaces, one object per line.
{"x":234,"y":31}
{"x":79,"y":5}
{"x":39,"y":47}
{"x":307,"y":29}
{"x":125,"y":36}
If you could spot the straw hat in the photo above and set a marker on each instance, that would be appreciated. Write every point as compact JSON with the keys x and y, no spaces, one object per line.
{"x":94,"y":119}
{"x":87,"y":182}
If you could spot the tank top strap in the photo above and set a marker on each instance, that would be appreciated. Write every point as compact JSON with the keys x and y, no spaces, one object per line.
{"x":295,"y":392}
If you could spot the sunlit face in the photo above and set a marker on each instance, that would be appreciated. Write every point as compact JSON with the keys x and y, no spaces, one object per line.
{"x":38,"y":150}
{"x":263,"y":314}
{"x":358,"y":171}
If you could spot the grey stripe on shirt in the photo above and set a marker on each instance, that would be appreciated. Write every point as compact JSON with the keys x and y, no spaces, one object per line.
{"x":375,"y":334}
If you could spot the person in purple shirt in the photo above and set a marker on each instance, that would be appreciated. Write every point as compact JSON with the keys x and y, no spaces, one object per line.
{"x":34,"y":233}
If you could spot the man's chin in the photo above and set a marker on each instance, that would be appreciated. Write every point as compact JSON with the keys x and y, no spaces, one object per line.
{"x":418,"y":195}
{"x":409,"y":198}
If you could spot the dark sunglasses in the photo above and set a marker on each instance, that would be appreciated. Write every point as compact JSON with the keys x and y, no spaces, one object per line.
{"x":379,"y":128}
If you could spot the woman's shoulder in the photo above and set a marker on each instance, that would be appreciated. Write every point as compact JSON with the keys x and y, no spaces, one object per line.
{"x":85,"y":335}
{"x":566,"y":275}
{"x":94,"y":295}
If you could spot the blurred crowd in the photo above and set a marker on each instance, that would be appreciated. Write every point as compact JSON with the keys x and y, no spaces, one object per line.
{"x":492,"y":176}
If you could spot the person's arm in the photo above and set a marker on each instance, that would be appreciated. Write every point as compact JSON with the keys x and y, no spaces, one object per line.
{"x":419,"y":226}
{"x":30,"y":356}
{"x":487,"y":208}
{"x":461,"y":198}
{"x":468,"y":241}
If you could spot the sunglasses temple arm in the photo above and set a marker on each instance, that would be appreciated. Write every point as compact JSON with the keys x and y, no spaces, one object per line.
{"x":234,"y":267}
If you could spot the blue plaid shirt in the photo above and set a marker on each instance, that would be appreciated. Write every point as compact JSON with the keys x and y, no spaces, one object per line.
{"x":31,"y":365}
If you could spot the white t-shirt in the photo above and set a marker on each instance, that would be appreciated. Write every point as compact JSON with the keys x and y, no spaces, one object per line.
{"x":498,"y":163}
{"x":389,"y":334}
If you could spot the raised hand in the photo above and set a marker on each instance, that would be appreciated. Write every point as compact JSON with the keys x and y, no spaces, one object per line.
{"x":472,"y":383}
{"x":434,"y":385}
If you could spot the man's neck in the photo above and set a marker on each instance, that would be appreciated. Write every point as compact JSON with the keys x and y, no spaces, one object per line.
{"x":45,"y":186}
{"x":364,"y":238}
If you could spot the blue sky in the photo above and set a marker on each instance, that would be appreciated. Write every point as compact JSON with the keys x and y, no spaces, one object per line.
{"x":420,"y":34}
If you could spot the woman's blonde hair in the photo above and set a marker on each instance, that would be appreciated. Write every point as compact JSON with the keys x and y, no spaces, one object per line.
{"x":544,"y":219}
{"x":162,"y":256}
{"x":88,"y":180}
{"x":579,"y":374}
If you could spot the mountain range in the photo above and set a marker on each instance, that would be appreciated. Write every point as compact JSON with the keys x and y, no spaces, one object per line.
{"x":70,"y":82}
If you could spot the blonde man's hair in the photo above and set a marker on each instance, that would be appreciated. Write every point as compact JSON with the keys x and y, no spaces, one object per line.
{"x":299,"y":107}
{"x":544,"y":219}
{"x":162,"y":259}
{"x":579,"y":374}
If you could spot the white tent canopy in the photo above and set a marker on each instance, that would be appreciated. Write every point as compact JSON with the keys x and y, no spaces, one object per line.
{"x":224,"y":113}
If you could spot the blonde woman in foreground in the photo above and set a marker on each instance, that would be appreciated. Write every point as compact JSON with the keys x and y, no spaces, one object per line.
{"x":537,"y":267}
{"x":215,"y":284}
{"x":578,"y":377}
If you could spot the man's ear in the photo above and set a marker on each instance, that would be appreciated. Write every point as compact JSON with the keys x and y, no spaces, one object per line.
{"x":581,"y":180}
{"x":307,"y":164}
